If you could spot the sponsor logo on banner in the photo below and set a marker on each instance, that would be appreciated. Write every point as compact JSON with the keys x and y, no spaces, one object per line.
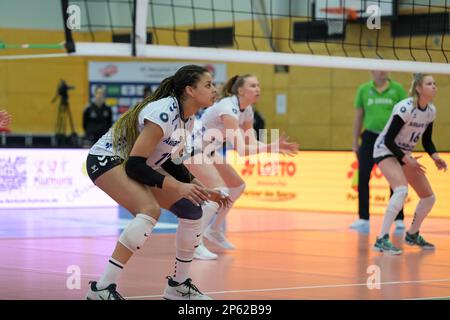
{"x":269,"y":168}
{"x":47,"y":178}
{"x":13,"y":173}
{"x":52,"y":174}
{"x":109,"y":70}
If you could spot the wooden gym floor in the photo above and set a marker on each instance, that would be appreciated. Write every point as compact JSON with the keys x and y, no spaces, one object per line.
{"x":278,"y":255}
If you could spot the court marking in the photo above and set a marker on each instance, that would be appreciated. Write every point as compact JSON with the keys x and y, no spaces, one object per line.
{"x":307,"y":287}
{"x":430,"y":298}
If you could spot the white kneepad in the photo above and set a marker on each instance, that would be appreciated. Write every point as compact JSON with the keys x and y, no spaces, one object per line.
{"x":236,"y":192}
{"x":137,"y":231}
{"x":398,"y":197}
{"x":426,"y":204}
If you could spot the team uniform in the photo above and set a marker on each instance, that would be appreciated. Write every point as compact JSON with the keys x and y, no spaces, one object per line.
{"x":211,"y":119}
{"x":406,"y":126}
{"x":165,"y":113}
{"x":103,"y":156}
{"x":208,"y":137}
{"x":411,"y":123}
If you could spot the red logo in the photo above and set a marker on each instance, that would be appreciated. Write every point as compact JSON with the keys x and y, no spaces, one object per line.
{"x":109,"y":70}
{"x":210,"y":69}
{"x":273,"y":169}
{"x":354,"y":172}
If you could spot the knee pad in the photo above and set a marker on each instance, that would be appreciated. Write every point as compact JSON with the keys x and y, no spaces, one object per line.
{"x":236,"y":192}
{"x":426,"y":204}
{"x":137,"y":231}
{"x":185,"y":209}
{"x":209,"y":209}
{"x":398,"y":198}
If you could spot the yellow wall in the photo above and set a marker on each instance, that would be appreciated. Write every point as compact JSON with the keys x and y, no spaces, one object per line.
{"x":320,"y":101}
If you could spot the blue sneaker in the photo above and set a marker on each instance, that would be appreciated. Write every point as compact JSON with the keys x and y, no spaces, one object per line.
{"x":383,"y":244}
{"x":417,"y":240}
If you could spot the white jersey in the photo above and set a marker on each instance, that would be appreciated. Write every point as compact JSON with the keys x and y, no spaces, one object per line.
{"x":211,"y":119}
{"x":164,"y":113}
{"x":416,"y":121}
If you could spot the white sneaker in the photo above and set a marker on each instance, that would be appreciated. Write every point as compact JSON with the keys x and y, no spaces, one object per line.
{"x":399,"y":225}
{"x":218,"y":238}
{"x":360,"y":224}
{"x":183,"y":291}
{"x":109,"y":293}
{"x":202,"y":253}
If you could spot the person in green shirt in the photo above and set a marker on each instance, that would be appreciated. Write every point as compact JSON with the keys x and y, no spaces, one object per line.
{"x":374,"y":102}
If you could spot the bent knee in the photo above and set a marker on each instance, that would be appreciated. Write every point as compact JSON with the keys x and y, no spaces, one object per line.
{"x":429,"y":199}
{"x":152,"y":209}
{"x":185,"y":209}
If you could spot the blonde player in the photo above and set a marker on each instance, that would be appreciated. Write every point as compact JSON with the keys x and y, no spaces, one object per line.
{"x":145,"y":138}
{"x":410,"y":120}
{"x":232,"y":113}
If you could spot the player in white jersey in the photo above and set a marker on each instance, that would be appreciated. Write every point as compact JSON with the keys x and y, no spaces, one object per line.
{"x":145,"y":139}
{"x":232,"y":112}
{"x":411,"y":119}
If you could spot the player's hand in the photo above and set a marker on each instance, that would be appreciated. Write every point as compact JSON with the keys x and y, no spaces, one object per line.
{"x":286,"y":147}
{"x":222,"y":199}
{"x":439,"y":162}
{"x":355,"y":149}
{"x":414,"y":164}
{"x":194,"y":193}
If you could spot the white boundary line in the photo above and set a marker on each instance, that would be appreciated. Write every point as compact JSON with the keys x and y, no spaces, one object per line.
{"x":429,"y":298}
{"x":308,"y":287}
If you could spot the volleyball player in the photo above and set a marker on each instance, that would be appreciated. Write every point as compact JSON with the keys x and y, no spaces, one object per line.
{"x":410,"y":120}
{"x":145,"y":139}
{"x":233,"y":112}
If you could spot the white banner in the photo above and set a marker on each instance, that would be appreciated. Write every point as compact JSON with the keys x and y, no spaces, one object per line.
{"x":47,"y":178}
{"x":147,"y":72}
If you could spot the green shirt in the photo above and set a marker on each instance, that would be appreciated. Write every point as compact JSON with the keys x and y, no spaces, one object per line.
{"x":378,"y":106}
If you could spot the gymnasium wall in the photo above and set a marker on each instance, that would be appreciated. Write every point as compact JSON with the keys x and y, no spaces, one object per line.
{"x":319,"y":100}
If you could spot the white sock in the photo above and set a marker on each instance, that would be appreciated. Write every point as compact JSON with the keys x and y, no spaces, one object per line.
{"x":187,"y":239}
{"x":423,"y":208}
{"x":394,"y":206}
{"x":111,"y":274}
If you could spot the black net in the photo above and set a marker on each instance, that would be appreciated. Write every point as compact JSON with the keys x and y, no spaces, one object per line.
{"x":415,"y":30}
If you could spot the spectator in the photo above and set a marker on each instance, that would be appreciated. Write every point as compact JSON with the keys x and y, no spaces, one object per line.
{"x":147,"y":92}
{"x":97,"y":117}
{"x":258,"y":123}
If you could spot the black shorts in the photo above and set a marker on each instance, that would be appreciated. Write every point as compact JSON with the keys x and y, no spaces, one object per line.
{"x":377,"y":160}
{"x":98,"y":165}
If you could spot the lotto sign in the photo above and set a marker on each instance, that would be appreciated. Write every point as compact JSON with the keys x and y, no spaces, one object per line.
{"x":326,"y":181}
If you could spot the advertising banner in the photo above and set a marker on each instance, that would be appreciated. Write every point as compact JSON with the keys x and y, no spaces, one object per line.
{"x":47,"y":178}
{"x":325,"y":181}
{"x":124,"y":82}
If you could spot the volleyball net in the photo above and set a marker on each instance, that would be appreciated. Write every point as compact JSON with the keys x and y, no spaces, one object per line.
{"x":394,"y":35}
